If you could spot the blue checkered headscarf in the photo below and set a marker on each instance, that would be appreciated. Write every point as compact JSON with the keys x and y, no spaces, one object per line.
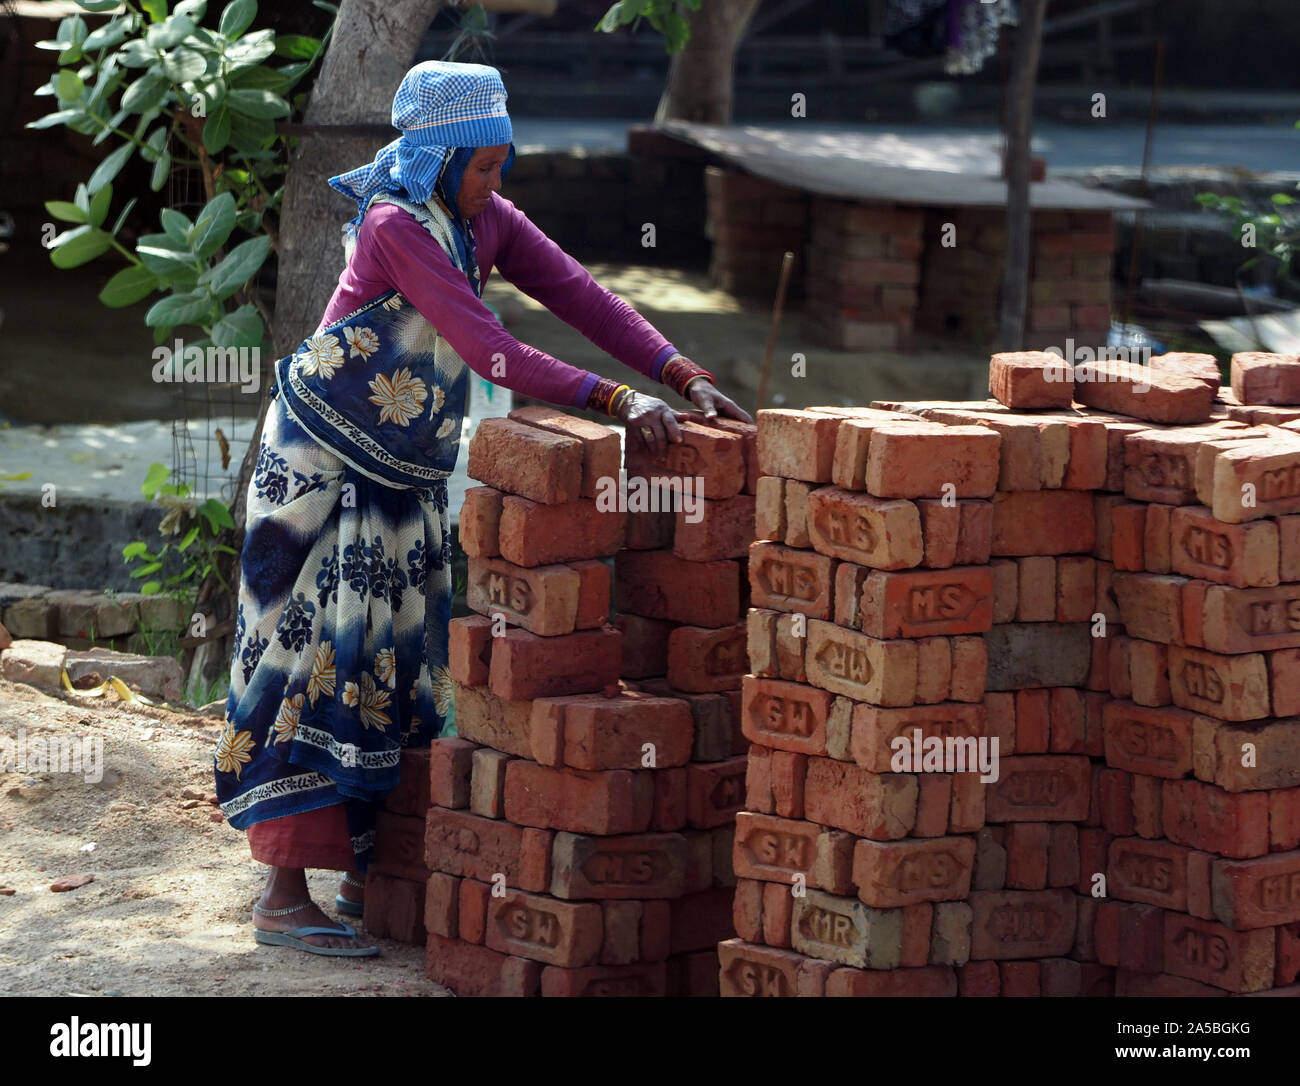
{"x":444,"y":111}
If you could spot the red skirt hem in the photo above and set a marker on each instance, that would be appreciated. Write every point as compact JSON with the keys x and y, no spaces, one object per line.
{"x":316,"y":839}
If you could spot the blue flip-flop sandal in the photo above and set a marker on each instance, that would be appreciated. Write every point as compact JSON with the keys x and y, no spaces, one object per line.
{"x":346,"y":907}
{"x":294,"y":938}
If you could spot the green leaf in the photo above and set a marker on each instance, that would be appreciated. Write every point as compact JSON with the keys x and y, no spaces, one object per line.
{"x":176,"y":226}
{"x":1282,"y":198}
{"x":154,"y":478}
{"x":249,"y":135}
{"x":237,"y":17}
{"x":261,"y":77}
{"x":134,"y":550}
{"x":175,"y":309}
{"x":251,"y":49}
{"x":136,"y":54}
{"x":82,"y":199}
{"x":121,"y":218}
{"x":214,"y":224}
{"x":99,"y":205}
{"x":114,"y":122}
{"x":296,"y":46}
{"x":169,"y":34}
{"x":146,"y":93}
{"x":221,"y":548}
{"x":150,"y":588}
{"x":184,"y":65}
{"x":110,"y":167}
{"x":155,"y":9}
{"x":218,"y":516}
{"x":164,"y":257}
{"x":216,"y":130}
{"x":190,"y":537}
{"x":333,"y":9}
{"x":154,"y":145}
{"x":257,"y":103}
{"x":194,"y":9}
{"x":145,"y":570}
{"x":69,"y":85}
{"x":128,"y":286}
{"x":242,"y":328}
{"x":161,"y":169}
{"x":112,"y":33}
{"x":240,"y":264}
{"x":65,"y":211}
{"x":63,"y":116}
{"x":79,"y":246}
{"x":97,"y":5}
{"x":73,"y":32}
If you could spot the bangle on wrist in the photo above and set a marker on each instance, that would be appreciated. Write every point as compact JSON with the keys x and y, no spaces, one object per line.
{"x":679,"y":371}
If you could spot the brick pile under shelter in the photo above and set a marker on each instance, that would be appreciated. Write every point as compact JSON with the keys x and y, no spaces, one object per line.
{"x":1111,"y":592}
{"x":580,"y":834}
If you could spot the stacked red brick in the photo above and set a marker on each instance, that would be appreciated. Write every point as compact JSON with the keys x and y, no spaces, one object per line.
{"x":753,"y":223}
{"x":680,"y":592}
{"x":864,"y":268}
{"x":870,"y":592}
{"x":398,"y":876}
{"x":1070,"y":272}
{"x":1204,"y":877}
{"x":558,"y":836}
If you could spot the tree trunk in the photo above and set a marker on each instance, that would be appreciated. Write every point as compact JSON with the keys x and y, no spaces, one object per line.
{"x":702,"y":72}
{"x":372,"y":47}
{"x":1018,"y":127}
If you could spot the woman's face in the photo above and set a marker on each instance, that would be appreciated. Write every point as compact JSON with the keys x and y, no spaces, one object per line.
{"x":482,"y":178}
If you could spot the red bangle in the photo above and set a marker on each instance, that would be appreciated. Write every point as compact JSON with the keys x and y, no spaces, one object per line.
{"x":679,"y":371}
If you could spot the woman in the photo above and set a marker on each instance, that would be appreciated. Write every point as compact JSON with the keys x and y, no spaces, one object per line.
{"x":341,"y":631}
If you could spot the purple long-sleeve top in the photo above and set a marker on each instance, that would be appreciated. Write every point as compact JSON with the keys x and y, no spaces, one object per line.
{"x":395,"y":252}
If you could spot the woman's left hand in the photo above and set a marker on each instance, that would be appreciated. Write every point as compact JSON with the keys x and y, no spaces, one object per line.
{"x":704,"y":395}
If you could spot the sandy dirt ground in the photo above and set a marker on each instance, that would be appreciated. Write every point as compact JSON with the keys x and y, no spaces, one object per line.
{"x":169,"y":910}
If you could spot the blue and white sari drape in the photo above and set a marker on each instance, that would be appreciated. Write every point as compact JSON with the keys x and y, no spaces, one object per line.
{"x":345,"y":592}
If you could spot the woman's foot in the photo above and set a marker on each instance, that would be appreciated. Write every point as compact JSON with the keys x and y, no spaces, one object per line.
{"x":286,"y":889}
{"x":352,"y":888}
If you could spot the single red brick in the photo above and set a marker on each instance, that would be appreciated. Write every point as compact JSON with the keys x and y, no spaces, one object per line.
{"x":968,"y":803}
{"x":527,"y":666}
{"x":643,"y":980}
{"x":1225,"y":687}
{"x":878,"y":806}
{"x":535,"y":534}
{"x":1031,"y":379}
{"x":472,"y":909}
{"x":748,"y":433}
{"x":1141,"y":392}
{"x":399,"y":847}
{"x":889,"y":874}
{"x":701,"y":660}
{"x":1041,"y":788}
{"x":597,"y":732}
{"x":748,"y":970}
{"x":613,"y":801}
{"x":715,"y":792}
{"x":747,"y":909}
{"x":411,"y":796}
{"x":480,"y":521}
{"x":758,"y":781}
{"x":1261,"y":378}
{"x":450,"y":766}
{"x":932,"y":805}
{"x":463,"y":844}
{"x":1112,"y":800}
{"x":1213,"y":954}
{"x":1242,"y":555}
{"x":796,"y":513}
{"x":1130,"y":936}
{"x":593,"y":593}
{"x":970,"y":662}
{"x":1076,"y":585}
{"x":636,"y":866}
{"x":1258,"y":893}
{"x":1148,"y":805}
{"x":1128,"y":536}
{"x":929,"y":981}
{"x":723,"y":528}
{"x":1154,"y":741}
{"x":1068,"y":722}
{"x":395,"y":908}
{"x":523,"y":460}
{"x":797,"y":444}
{"x":1021,"y":979}
{"x":933,"y":669}
{"x":778,"y":849}
{"x":778,"y":908}
{"x":1033,"y":721}
{"x":487,"y":783}
{"x":786,"y":716}
{"x":978,"y":979}
{"x":924,"y":603}
{"x":1043,"y":522}
{"x":917,"y":921}
{"x":788,"y":782}
{"x":1093,"y":844}
{"x":622,"y":926}
{"x":708,"y":454}
{"x":556,"y":932}
{"x":1027,"y":855}
{"x":441,"y":902}
{"x":1062,"y":854}
{"x":649,"y":530}
{"x":470,"y":970}
{"x":1284,"y":820}
{"x":601,"y":456}
{"x":940,"y":528}
{"x":469,"y":649}
{"x":975,"y":536}
{"x":660,"y":585}
{"x":1205,"y":817}
{"x":930,"y":460}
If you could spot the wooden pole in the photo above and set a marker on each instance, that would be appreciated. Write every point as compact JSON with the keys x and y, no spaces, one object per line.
{"x":787,"y":262}
{"x":1018,"y":126}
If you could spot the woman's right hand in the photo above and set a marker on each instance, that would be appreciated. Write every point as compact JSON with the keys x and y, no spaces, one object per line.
{"x":652,"y":422}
